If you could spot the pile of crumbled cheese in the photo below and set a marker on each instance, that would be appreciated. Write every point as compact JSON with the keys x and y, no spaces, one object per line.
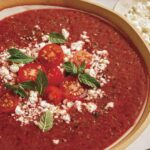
{"x":139,"y":16}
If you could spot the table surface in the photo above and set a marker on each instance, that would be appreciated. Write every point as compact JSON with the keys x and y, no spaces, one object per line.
{"x":143,"y":141}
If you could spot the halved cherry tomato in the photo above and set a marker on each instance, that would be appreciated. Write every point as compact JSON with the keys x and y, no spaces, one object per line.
{"x":82,"y":56}
{"x":54,"y":95}
{"x":8,"y":102}
{"x":55,"y":76}
{"x":51,"y":55}
{"x":72,"y":89}
{"x":29,"y":72}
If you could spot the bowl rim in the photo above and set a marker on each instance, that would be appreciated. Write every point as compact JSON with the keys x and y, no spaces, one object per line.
{"x":127,"y":29}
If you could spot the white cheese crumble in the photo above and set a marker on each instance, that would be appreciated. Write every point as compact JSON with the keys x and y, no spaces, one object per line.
{"x":45,"y":38}
{"x":91,"y":107}
{"x":56,"y":141}
{"x":65,"y":33}
{"x":4,"y":56}
{"x":70,"y":104}
{"x":14,"y":68}
{"x":109,"y":105}
{"x":94,"y":94}
{"x":78,"y":105}
{"x":4,"y":71}
{"x":18,"y":110}
{"x":33,"y":97}
{"x":84,"y":36}
{"x":77,"y":45}
{"x":66,"y":118}
{"x":139,"y":16}
{"x":66,"y":50}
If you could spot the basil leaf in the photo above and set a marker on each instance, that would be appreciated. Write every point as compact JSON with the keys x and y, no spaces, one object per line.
{"x":70,"y":68}
{"x":29,"y":85}
{"x":57,"y":38}
{"x":46,"y":121}
{"x":41,"y":82}
{"x":17,"y":90}
{"x":81,"y":68}
{"x":18,"y":57}
{"x":88,"y":80}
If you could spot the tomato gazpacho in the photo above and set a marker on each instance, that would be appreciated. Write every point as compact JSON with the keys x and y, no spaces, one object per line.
{"x":69,"y":80}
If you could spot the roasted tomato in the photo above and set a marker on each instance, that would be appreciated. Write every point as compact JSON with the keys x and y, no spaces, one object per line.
{"x":8,"y":102}
{"x":29,"y":72}
{"x":72,"y":89}
{"x":51,"y":55}
{"x":53,"y":95}
{"x":55,"y":76}
{"x":82,"y":56}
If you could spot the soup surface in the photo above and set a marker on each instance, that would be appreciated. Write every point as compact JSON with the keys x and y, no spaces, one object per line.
{"x":69,"y":80}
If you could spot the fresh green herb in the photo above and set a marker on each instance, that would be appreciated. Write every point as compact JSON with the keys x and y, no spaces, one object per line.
{"x":41,"y":82}
{"x":39,"y":85}
{"x":46,"y":121}
{"x":16,"y":89}
{"x":88,"y":80}
{"x":57,"y":38}
{"x":70,"y":68}
{"x":28,"y":85}
{"x":83,"y":78}
{"x":18,"y":57}
{"x":81,"y":68}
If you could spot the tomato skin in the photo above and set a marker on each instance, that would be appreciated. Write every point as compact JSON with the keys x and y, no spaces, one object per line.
{"x":29,"y":72}
{"x":72,"y":89}
{"x":8,"y":102}
{"x":51,"y":55}
{"x":53,"y":95}
{"x":55,"y":76}
{"x":82,"y":56}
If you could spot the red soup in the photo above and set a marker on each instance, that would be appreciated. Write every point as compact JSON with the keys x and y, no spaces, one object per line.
{"x":69,"y":80}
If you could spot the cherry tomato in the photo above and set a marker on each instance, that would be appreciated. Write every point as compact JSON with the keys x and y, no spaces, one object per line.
{"x":55,"y":76}
{"x":54,"y":95}
{"x":8,"y":102}
{"x":82,"y":56}
{"x":72,"y":89}
{"x":29,"y":72}
{"x":51,"y":55}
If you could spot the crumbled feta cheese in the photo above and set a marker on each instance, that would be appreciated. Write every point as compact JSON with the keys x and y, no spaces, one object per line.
{"x":91,"y":107}
{"x":139,"y":16}
{"x":22,"y":50}
{"x":77,"y":45}
{"x":4,"y":56}
{"x":44,"y":104}
{"x":70,"y":104}
{"x":4,"y":71}
{"x":45,"y":38}
{"x":84,"y":36}
{"x":109,"y":105}
{"x":65,"y":33}
{"x":18,"y":110}
{"x":66,"y":50}
{"x":37,"y":27}
{"x":78,"y":105}
{"x":14,"y":68}
{"x":56,"y":141}
{"x":66,"y":118}
{"x":8,"y":77}
{"x":33,"y":98}
{"x":66,"y":59}
{"x":21,"y":65}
